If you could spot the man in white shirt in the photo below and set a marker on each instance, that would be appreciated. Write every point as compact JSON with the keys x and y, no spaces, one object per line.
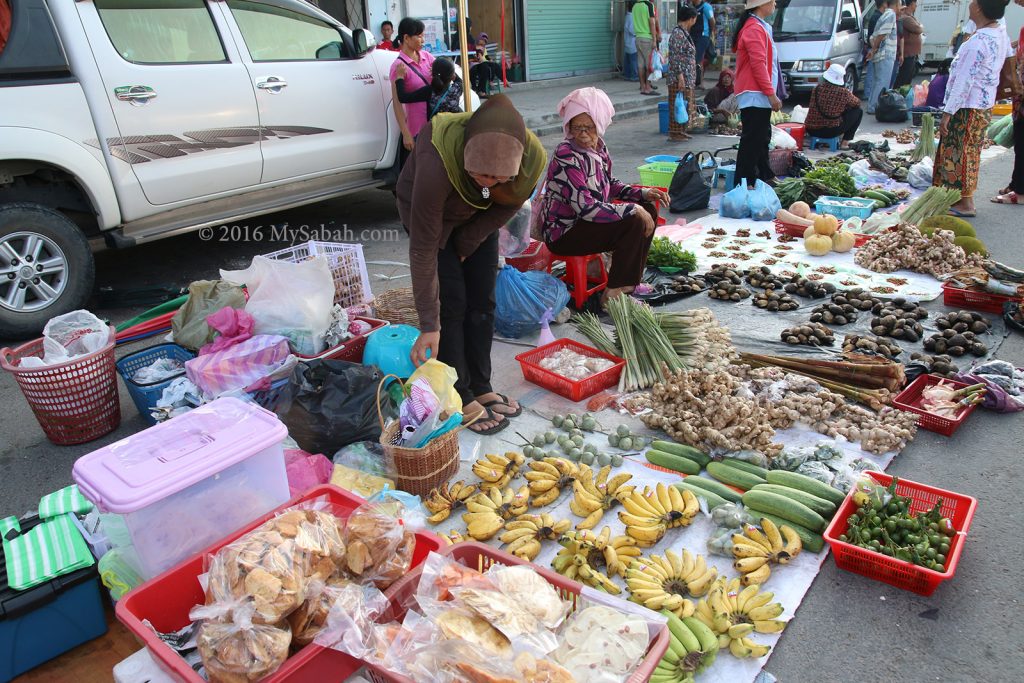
{"x":881,"y":54}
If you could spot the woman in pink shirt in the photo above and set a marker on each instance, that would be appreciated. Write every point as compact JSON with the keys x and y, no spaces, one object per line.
{"x":411,"y":117}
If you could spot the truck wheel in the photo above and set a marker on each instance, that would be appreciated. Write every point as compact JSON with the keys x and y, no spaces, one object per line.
{"x":850,"y":82}
{"x":46,"y":268}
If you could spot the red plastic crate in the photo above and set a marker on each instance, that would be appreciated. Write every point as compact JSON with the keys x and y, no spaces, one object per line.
{"x":574,"y":390}
{"x":536,"y":257}
{"x":957,"y":297}
{"x":909,"y":400}
{"x":166,"y":600}
{"x":352,"y":349}
{"x":899,"y":573}
{"x":481,"y":556}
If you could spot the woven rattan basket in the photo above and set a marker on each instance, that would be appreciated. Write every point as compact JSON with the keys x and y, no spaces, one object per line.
{"x":397,"y":307}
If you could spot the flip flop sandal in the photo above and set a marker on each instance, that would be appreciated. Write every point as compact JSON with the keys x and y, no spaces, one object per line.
{"x":503,"y":401}
{"x":1007,"y":198}
{"x":490,"y":416}
{"x":652,"y":94}
{"x":961,"y":214}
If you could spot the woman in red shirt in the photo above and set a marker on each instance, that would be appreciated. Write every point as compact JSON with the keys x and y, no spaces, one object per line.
{"x":756,"y":85}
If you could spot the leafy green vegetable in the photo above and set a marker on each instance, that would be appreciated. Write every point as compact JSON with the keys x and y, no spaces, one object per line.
{"x":665,"y":253}
{"x":835,"y":176}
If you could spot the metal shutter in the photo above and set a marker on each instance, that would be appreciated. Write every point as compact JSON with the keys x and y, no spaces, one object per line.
{"x":568,"y":38}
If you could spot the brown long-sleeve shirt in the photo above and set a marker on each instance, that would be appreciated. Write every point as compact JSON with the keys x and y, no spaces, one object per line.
{"x":912,"y":30}
{"x":433,"y":212}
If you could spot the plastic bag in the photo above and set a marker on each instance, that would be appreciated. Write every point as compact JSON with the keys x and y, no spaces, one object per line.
{"x":189,"y":327}
{"x":817,"y":470}
{"x":791,"y":458}
{"x":332,"y":403}
{"x":1003,"y":135}
{"x":682,"y":114}
{"x":240,"y":366}
{"x":522,"y":298}
{"x":735,"y":202}
{"x":233,"y":648}
{"x":442,"y":380}
{"x":720,"y":541}
{"x":656,"y":66}
{"x":730,"y":516}
{"x":690,"y":189}
{"x":378,"y":544}
{"x":514,"y":236}
{"x":232,"y":325}
{"x":160,"y":370}
{"x":293,"y":300}
{"x":305,"y":470}
{"x":603,"y":645}
{"x":781,"y":139}
{"x":510,"y":617}
{"x":920,"y":174}
{"x":921,"y":94}
{"x":753,"y":457}
{"x":863,"y":174}
{"x":529,"y":589}
{"x":764,"y":203}
{"x":310,"y":618}
{"x":799,"y":114}
{"x":69,"y":336}
{"x":350,"y":623}
{"x":441,"y":573}
{"x":891,"y":107}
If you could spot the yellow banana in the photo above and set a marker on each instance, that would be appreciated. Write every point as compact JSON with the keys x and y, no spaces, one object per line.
{"x":759,"y":600}
{"x":792,"y":546}
{"x":771,"y":532}
{"x":758,"y":576}
{"x":769,"y":626}
{"x":766,"y":612}
{"x":756,"y":650}
{"x":749,"y":564}
{"x":741,"y":550}
{"x":740,"y":630}
{"x":739,"y":649}
{"x":754,"y":534}
{"x":700,"y":586}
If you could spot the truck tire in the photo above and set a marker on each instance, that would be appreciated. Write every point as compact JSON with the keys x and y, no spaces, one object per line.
{"x":851,"y":81}
{"x":46,"y":268}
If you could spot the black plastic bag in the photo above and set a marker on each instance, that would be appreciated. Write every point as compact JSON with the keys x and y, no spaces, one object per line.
{"x":800,"y":164}
{"x":689,"y":189}
{"x":891,"y":107}
{"x":1011,"y":311}
{"x":332,"y":403}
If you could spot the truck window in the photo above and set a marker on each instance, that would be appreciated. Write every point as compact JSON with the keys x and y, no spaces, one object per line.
{"x":803,"y":19}
{"x":274,"y":34}
{"x":161,"y":31}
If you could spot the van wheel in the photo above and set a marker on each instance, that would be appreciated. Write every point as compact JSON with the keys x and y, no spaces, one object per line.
{"x":46,"y":268}
{"x":850,"y":81}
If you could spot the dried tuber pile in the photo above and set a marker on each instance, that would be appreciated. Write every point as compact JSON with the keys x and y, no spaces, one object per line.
{"x":809,"y":288}
{"x":771,"y":300}
{"x":834,"y":314}
{"x":859,"y":298}
{"x":855,"y":343}
{"x":811,"y":334}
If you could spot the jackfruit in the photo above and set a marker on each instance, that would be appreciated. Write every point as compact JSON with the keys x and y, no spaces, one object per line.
{"x":958,"y":226}
{"x":971,"y":245}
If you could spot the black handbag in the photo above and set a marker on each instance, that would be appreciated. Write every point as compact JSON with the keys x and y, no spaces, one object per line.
{"x":689,"y":189}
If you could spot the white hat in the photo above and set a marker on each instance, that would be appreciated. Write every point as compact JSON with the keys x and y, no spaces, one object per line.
{"x":835,"y":75}
{"x":752,"y":4}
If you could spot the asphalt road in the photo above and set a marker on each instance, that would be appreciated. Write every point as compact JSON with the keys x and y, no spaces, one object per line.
{"x":849,"y":628}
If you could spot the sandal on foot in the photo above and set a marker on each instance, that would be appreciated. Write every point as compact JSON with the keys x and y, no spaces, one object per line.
{"x":1010,"y":197}
{"x":489,"y":416}
{"x":503,"y":400}
{"x":962,"y":214}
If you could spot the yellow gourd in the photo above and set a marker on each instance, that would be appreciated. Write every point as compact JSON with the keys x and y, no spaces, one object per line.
{"x":810,"y":231}
{"x":818,"y":245}
{"x":826,"y":225}
{"x":843,"y":241}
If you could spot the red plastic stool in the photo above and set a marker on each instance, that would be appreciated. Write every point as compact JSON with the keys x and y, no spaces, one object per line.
{"x":796,"y":130}
{"x":576,"y":276}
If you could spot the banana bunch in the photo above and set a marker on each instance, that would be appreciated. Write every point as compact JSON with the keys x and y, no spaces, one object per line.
{"x":592,"y":497}
{"x":496,"y":471}
{"x":692,"y":648}
{"x":524,"y":534}
{"x":442,"y":500}
{"x":650,"y":514}
{"x":660,"y":583}
{"x":734,"y":613}
{"x":583,"y":552}
{"x":488,"y":511}
{"x":453,"y":537}
{"x":548,"y":477}
{"x":755,"y":550}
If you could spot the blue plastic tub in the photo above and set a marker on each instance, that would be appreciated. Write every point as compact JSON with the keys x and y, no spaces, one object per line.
{"x":145,"y":396}
{"x":664,"y":158}
{"x":47,"y":620}
{"x":663,"y":118}
{"x":270,"y":398}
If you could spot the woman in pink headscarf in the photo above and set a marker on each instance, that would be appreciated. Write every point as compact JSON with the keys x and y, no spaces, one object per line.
{"x":577,"y":216}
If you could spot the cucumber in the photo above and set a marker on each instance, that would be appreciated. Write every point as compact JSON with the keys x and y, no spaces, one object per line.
{"x":812,"y":541}
{"x":716,"y":487}
{"x":734,"y":476}
{"x":787,"y":508}
{"x":676,"y":463}
{"x":680,"y":449}
{"x":877,"y":196}
{"x":823,"y":507}
{"x":746,"y":466}
{"x":713,"y":499}
{"x":795,"y":480}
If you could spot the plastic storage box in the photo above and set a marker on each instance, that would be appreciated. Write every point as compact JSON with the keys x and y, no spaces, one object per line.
{"x":47,"y":620}
{"x":183,"y":484}
{"x":166,"y":600}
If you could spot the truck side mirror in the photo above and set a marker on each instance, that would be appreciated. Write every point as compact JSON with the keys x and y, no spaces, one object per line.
{"x":364,"y":40}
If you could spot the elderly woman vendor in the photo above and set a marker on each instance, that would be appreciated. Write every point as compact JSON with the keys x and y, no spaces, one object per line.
{"x":577,"y":216}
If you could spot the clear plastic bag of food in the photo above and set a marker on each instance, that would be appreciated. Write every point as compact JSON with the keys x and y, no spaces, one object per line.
{"x":235,"y":649}
{"x":791,"y":458}
{"x":378,"y":542}
{"x":829,"y":455}
{"x":351,"y":622}
{"x":867,"y":490}
{"x":526,"y":587}
{"x":753,"y":457}
{"x":605,"y":639}
{"x":817,"y":470}
{"x":515,"y":620}
{"x":720,"y":541}
{"x":456,"y":621}
{"x":457,"y":661}
{"x":441,"y":573}
{"x":310,"y":618}
{"x":730,"y":516}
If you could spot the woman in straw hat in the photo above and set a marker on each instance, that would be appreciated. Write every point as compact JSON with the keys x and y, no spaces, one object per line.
{"x":834,"y":111}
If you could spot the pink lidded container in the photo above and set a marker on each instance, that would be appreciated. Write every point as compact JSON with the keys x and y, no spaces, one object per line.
{"x":181,"y":485}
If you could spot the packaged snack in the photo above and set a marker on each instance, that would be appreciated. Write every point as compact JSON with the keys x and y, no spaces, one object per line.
{"x":233,"y":648}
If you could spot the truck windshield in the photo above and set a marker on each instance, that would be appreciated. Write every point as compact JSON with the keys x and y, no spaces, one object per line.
{"x":803,"y":19}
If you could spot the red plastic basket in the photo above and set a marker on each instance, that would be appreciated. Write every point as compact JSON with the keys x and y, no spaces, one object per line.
{"x":481,"y":556}
{"x":574,"y":390}
{"x":74,"y":402}
{"x":352,"y":349}
{"x":957,"y":297}
{"x":165,"y":602}
{"x":909,"y":400}
{"x":536,"y":257}
{"x":958,"y":508}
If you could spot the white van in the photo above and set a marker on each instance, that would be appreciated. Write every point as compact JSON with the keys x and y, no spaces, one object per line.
{"x":812,"y":35}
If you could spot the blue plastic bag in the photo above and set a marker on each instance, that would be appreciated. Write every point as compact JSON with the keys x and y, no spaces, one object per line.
{"x":682,"y":114}
{"x":735,"y":203}
{"x":522,"y":298}
{"x":763,"y":201}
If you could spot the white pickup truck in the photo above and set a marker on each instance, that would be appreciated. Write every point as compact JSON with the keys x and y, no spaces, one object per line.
{"x":133,"y":120}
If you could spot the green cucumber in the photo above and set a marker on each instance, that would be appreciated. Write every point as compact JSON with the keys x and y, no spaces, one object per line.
{"x":715,"y":487}
{"x":825,"y":508}
{"x":680,"y":449}
{"x":734,"y":476}
{"x":812,"y":541}
{"x":877,"y":196}
{"x":713,"y":499}
{"x":676,"y":463}
{"x":746,"y":466}
{"x":787,"y":508}
{"x":795,"y":480}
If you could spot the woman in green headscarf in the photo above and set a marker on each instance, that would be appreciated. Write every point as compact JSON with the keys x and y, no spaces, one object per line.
{"x":466,"y":177}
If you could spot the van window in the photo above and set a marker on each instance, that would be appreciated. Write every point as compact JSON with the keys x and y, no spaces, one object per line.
{"x":274,"y":34}
{"x":804,"y":19}
{"x":161,"y":31}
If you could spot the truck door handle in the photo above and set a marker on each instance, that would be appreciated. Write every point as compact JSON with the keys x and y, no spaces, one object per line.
{"x":272,"y":84}
{"x":135,"y":94}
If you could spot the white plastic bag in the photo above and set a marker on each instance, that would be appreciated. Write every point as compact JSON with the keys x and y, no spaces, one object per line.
{"x":69,"y":336}
{"x":514,"y":236}
{"x":920,"y":174}
{"x":782,"y":140}
{"x":293,"y":300}
{"x":799,"y":114}
{"x":656,"y":67}
{"x":863,"y":174}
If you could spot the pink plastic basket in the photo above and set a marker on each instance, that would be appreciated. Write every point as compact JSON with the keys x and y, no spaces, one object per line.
{"x":574,"y":390}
